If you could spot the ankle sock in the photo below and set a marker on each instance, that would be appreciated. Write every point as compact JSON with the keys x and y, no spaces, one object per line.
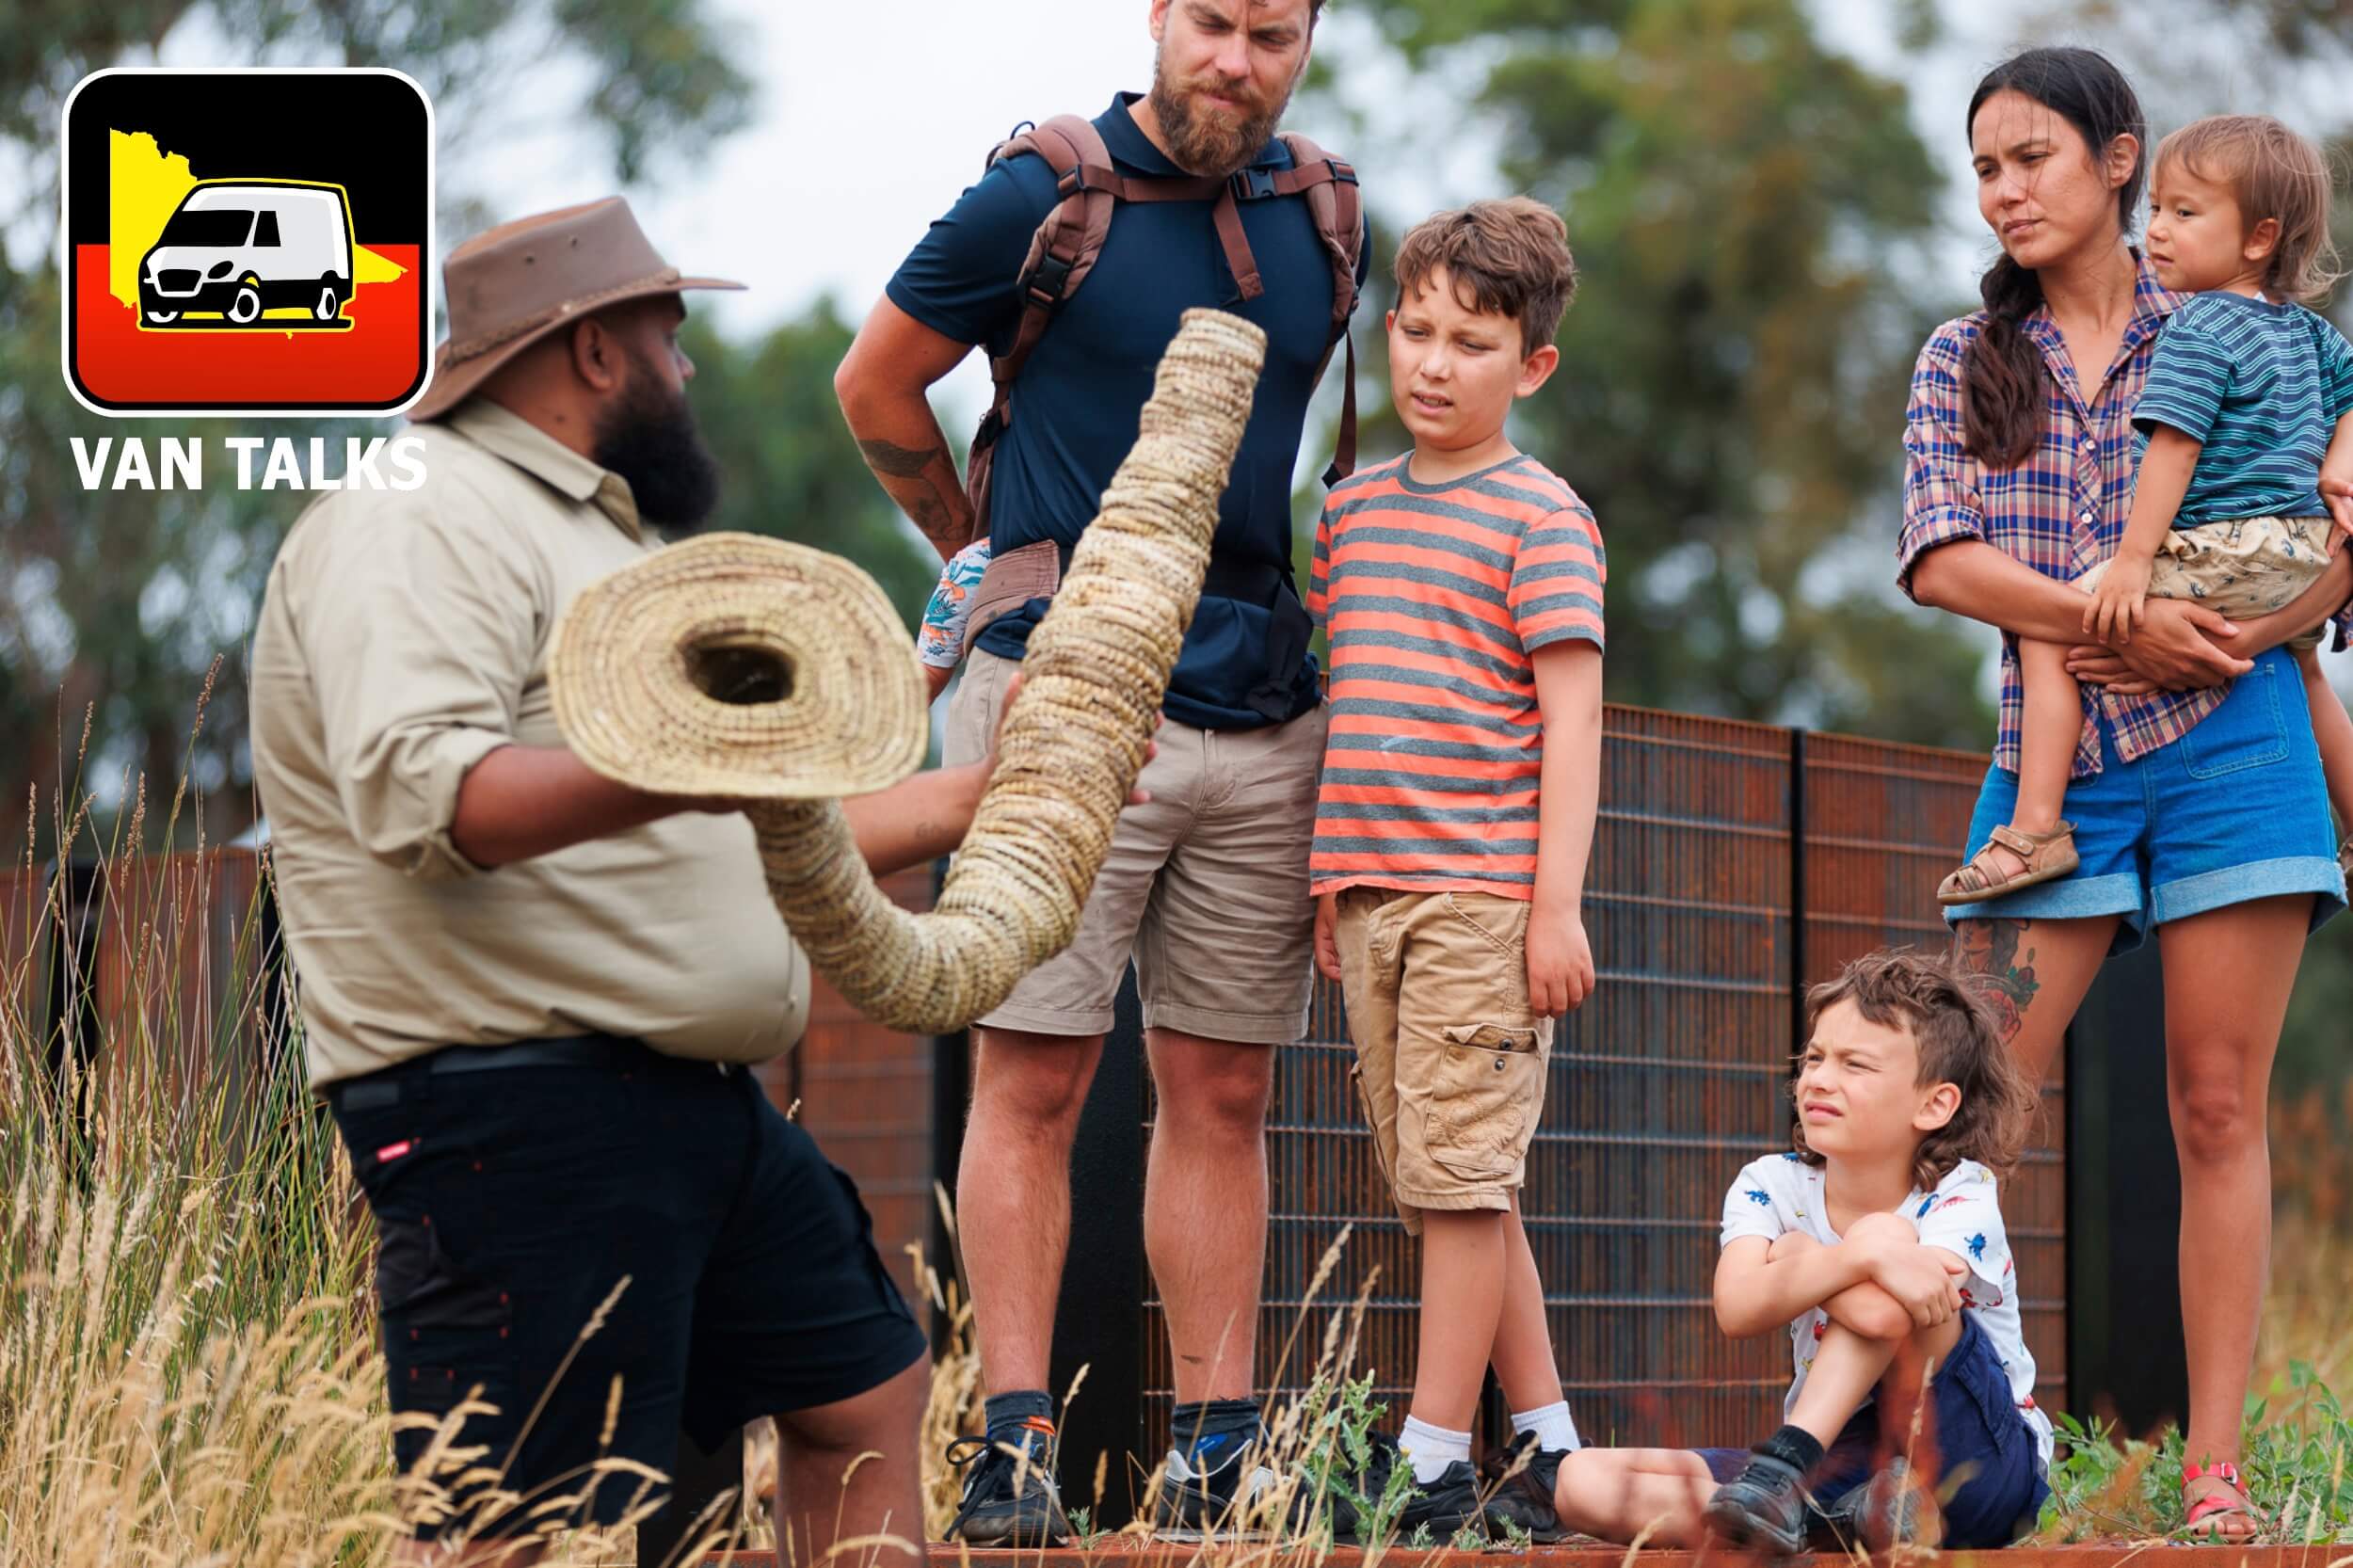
{"x":1552,"y":1426}
{"x":1431,"y":1449}
{"x":1208,"y":1431}
{"x":1021,"y":1419}
{"x":1794,"y":1447}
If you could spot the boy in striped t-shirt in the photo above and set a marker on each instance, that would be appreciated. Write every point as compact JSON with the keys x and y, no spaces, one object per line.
{"x":1461,"y":588}
{"x":2245,"y":422}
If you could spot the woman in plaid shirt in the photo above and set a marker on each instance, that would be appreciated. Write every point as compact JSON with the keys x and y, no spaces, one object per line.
{"x":2196,"y":788}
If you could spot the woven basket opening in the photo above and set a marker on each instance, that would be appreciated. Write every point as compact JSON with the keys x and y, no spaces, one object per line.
{"x":742,"y":674}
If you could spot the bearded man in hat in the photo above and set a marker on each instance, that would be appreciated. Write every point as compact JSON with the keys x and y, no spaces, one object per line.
{"x":529,"y":994}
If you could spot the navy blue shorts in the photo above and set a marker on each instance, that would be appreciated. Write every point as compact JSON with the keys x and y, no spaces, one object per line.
{"x":510,"y":1203}
{"x":1978,"y":1436}
{"x":2235,"y":809}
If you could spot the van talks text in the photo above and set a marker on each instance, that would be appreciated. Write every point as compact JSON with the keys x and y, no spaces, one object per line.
{"x":263,"y":463}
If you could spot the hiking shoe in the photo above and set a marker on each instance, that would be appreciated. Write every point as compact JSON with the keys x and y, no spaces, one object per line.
{"x":1524,"y":1502}
{"x":997,"y":1511}
{"x":1892,"y":1508}
{"x":1763,"y":1508}
{"x":1217,"y":1490}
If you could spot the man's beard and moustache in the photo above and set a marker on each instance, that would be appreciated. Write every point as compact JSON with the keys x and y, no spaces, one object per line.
{"x":647,"y":437}
{"x":1208,"y":141}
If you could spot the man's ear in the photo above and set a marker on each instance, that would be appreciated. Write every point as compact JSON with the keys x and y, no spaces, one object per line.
{"x":2262,"y":240}
{"x":1160,"y":18}
{"x":1939,"y":1107}
{"x":596,"y":355}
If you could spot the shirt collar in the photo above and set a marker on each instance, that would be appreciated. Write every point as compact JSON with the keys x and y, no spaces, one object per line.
{"x":505,"y":434}
{"x":2152,"y":302}
{"x":1130,"y":145}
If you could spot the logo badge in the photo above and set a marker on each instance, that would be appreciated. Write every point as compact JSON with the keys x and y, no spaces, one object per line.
{"x":246,"y":242}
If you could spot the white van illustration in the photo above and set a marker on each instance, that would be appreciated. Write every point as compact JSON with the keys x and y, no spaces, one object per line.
{"x":243,"y":247}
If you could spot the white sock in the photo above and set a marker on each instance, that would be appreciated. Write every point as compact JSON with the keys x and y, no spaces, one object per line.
{"x":1432,"y":1448}
{"x":1552,"y":1426}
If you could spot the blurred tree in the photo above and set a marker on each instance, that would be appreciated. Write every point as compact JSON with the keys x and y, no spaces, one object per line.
{"x":791,"y":468}
{"x":1742,"y":199}
{"x":115,"y":606}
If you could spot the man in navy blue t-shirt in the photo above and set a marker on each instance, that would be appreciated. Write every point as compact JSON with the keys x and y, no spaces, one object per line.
{"x":1206,"y":885}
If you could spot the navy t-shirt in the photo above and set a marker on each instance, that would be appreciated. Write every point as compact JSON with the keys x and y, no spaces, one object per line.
{"x":1080,"y":399}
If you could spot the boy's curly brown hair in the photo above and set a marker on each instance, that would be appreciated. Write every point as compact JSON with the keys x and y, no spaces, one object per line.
{"x":1508,"y":258}
{"x":1952,"y":1026}
{"x":2272,"y":173}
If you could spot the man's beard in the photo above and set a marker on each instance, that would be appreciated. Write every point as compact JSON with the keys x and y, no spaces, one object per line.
{"x":1208,"y":142}
{"x":648,"y":438}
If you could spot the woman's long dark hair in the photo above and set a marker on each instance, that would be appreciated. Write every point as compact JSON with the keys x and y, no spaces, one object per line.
{"x":2001,"y":375}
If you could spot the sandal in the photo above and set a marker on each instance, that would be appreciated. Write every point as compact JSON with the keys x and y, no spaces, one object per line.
{"x":2345,"y":859}
{"x":2218,"y":1506}
{"x":2046,"y":855}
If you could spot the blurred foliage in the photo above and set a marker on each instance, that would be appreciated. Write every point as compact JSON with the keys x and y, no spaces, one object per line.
{"x":116,"y":605}
{"x":1730,"y":400}
{"x":791,"y":468}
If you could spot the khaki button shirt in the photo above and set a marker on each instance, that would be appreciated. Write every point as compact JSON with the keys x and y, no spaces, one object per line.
{"x":403,"y":637}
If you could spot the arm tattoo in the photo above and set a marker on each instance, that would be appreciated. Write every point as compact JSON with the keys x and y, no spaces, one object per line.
{"x":1991,"y":948}
{"x":890,"y":460}
{"x":922,"y":481}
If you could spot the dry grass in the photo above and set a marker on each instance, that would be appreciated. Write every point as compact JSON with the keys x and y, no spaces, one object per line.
{"x":188,"y":1375}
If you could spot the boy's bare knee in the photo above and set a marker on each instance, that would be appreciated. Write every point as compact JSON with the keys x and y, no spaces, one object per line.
{"x":1880,"y":1227}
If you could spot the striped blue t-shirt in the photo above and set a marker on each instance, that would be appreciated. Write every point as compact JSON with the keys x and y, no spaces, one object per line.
{"x":2261,"y":386}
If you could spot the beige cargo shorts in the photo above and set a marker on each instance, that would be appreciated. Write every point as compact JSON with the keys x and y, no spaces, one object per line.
{"x":1206,"y":885}
{"x":2241,"y":567}
{"x":1450,"y":1054}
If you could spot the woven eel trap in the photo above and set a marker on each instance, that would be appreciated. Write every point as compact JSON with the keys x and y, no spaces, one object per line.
{"x":750,"y":669}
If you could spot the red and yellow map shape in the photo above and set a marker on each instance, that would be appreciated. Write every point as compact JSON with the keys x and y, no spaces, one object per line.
{"x":376,"y":357}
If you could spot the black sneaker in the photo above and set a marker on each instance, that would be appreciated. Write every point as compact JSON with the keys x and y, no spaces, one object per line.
{"x":997,"y":1512}
{"x":1444,"y":1506}
{"x":1763,"y":1508}
{"x":1524,"y":1501}
{"x":1890,"y":1510}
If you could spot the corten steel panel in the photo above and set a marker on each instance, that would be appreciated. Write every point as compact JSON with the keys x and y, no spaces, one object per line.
{"x":25,"y":923}
{"x":1659,"y":1091}
{"x":1882,"y":824}
{"x":865,"y":1093}
{"x":185,"y":1006}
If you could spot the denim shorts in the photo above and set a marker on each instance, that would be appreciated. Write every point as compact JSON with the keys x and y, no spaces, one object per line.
{"x":2235,"y":809}
{"x":1987,"y":1468}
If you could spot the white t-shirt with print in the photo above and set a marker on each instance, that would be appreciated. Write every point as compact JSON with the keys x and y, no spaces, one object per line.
{"x":1781,"y":1193}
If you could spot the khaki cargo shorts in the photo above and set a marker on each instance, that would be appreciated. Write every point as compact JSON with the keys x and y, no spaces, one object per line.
{"x":1206,"y":885}
{"x":1450,"y":1054}
{"x":2242,"y":567}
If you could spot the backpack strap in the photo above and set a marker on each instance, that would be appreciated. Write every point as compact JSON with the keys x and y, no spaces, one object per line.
{"x":1337,"y":207}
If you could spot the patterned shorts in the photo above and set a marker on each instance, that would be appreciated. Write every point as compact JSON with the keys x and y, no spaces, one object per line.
{"x":2244,"y":567}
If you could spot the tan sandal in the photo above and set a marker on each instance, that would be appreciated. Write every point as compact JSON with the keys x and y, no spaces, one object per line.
{"x":2047,"y":856}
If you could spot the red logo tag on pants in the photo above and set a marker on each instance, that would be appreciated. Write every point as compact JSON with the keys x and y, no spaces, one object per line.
{"x":391,"y":1152}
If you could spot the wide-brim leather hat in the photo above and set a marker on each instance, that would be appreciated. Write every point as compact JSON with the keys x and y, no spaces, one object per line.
{"x":510,"y":286}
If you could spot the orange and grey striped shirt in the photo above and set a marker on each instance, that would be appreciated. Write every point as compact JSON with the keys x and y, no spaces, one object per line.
{"x":1434,"y":595}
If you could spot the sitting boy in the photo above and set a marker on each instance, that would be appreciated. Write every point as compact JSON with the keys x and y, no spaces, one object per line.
{"x":1879,"y":1243}
{"x":1460,"y":587}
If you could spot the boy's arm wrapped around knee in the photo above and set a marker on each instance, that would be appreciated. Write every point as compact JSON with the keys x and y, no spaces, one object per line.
{"x":1761,"y":1285}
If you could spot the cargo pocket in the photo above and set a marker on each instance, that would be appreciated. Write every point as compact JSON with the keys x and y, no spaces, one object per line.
{"x":1483,"y":1104}
{"x":447,"y":1334}
{"x":886,"y":1293}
